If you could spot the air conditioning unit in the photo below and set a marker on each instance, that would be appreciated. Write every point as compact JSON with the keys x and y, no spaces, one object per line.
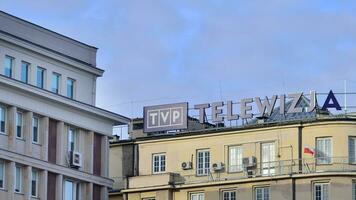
{"x":187,"y":165}
{"x":75,"y":159}
{"x":219,"y":166}
{"x":249,"y":162}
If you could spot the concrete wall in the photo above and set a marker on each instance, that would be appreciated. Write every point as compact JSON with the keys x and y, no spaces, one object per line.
{"x":85,"y":82}
{"x":48,"y":39}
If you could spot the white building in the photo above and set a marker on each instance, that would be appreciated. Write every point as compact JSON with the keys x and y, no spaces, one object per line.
{"x":53,"y":140}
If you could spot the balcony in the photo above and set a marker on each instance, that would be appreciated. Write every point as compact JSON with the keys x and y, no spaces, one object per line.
{"x":268,"y":170}
{"x":273,"y":169}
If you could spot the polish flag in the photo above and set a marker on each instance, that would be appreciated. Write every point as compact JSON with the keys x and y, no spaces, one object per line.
{"x":308,"y":150}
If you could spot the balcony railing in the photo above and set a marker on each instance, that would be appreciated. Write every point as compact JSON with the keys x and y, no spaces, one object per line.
{"x":264,"y":169}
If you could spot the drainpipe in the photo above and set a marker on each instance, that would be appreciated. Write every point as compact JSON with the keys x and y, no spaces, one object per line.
{"x":300,"y":147}
{"x":293,"y":189}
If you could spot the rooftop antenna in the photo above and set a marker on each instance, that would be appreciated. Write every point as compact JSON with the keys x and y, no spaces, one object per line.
{"x":345,"y":96}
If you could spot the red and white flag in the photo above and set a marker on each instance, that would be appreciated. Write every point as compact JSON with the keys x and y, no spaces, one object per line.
{"x":308,"y":150}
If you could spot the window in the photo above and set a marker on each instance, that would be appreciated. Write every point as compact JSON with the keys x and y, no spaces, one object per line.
{"x":70,"y":88}
{"x":262,"y":193}
{"x":323,"y":150}
{"x":203,"y":162}
{"x":71,"y":139}
{"x":19,"y":123}
{"x":18,"y":179}
{"x":55,"y":82}
{"x":9,"y":62}
{"x":2,"y":174}
{"x":229,"y":195}
{"x":321,"y":191}
{"x":35,"y":129}
{"x":24,"y":71}
{"x":71,"y":190}
{"x":197,"y":196}
{"x":2,"y":119}
{"x":34,"y":183}
{"x":268,"y":158}
{"x":40,"y":77}
{"x":159,"y":163}
{"x":352,"y":150}
{"x":235,"y":159}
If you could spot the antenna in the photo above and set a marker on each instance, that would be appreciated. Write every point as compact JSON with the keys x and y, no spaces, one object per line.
{"x":345,"y":96}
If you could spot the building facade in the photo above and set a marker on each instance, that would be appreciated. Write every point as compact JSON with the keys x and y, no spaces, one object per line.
{"x":310,"y":156}
{"x":53,"y":140}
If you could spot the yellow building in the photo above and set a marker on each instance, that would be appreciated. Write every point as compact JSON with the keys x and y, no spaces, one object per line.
{"x":262,"y":160}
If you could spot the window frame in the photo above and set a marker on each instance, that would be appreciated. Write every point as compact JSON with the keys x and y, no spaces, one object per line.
{"x":43,"y":70}
{"x":75,"y":188}
{"x":3,"y":109}
{"x":206,"y":170}
{"x":73,"y":81}
{"x":22,"y":125}
{"x":159,"y":155}
{"x":228,"y":191}
{"x":36,"y":180}
{"x":20,"y":179}
{"x":263,"y":192}
{"x":239,"y":168}
{"x":38,"y":129}
{"x":322,"y":192}
{"x":12,"y":59}
{"x":3,"y":171}
{"x":268,"y":168}
{"x":27,"y":64}
{"x":58,"y":82}
{"x":74,"y":134}
{"x":352,"y":160}
{"x":196,"y":194}
{"x":317,"y":151}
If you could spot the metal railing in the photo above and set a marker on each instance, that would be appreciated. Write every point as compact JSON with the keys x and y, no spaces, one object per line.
{"x":264,"y":169}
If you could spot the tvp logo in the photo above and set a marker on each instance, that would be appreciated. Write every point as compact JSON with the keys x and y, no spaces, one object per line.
{"x":165,"y":117}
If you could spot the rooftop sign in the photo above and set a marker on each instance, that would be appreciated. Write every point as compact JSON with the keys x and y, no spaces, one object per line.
{"x":165,"y":117}
{"x":174,"y":116}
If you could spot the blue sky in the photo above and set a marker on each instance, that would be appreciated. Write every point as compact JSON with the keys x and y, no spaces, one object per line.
{"x":157,"y":52}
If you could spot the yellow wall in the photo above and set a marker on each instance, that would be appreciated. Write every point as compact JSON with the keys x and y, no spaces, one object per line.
{"x":181,"y":149}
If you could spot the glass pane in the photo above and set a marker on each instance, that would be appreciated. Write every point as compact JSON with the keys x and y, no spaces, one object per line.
{"x":8,"y":66}
{"x":55,"y":82}
{"x":70,"y":88}
{"x":40,"y":77}
{"x":68,"y":190}
{"x":24,"y":72}
{"x":18,"y":179}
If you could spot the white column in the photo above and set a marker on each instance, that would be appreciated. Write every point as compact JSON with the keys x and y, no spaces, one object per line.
{"x":28,"y":133}
{"x":104,"y":156}
{"x":59,"y":187}
{"x":104,"y":193}
{"x":11,"y":128}
{"x":89,"y":151}
{"x":10,"y":168}
{"x":89,"y":194}
{"x":42,"y":184}
{"x":44,"y":124}
{"x":27,"y":181}
{"x":60,"y":144}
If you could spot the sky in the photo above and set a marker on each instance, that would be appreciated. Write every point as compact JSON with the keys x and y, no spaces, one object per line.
{"x":200,"y":51}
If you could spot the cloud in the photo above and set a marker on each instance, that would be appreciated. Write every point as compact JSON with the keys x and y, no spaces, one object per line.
{"x":203,"y":51}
